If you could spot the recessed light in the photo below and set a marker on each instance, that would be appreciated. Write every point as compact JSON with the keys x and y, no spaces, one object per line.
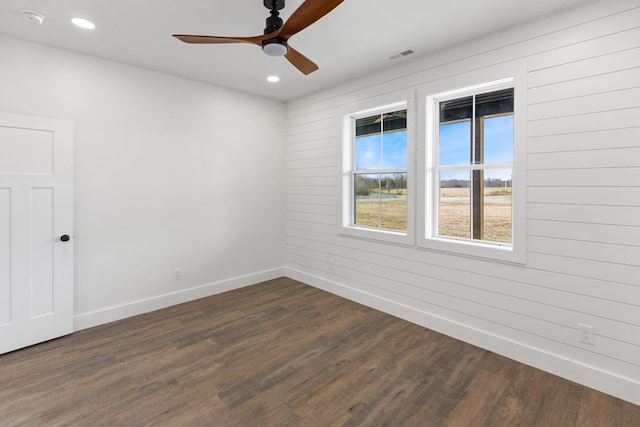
{"x":83,"y":23}
{"x":273,"y":79}
{"x":33,"y":16}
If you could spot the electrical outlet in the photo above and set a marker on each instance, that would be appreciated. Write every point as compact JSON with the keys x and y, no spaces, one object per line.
{"x":332,"y":264}
{"x":177,"y":274}
{"x":586,"y":334}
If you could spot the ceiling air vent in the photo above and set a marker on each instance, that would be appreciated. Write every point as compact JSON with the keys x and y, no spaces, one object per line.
{"x":402,"y":54}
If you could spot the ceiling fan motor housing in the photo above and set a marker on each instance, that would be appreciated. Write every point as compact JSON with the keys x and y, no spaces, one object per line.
{"x":274,"y":22}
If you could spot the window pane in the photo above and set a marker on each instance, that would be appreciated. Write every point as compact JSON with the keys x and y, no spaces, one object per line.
{"x":455,"y":110}
{"x":381,"y":141}
{"x":396,"y":120}
{"x":498,"y":139}
{"x":497,"y":205}
{"x":454,"y":145}
{"x":393,"y":201}
{"x":369,"y":152}
{"x":367,"y":200}
{"x":493,"y":103}
{"x":369,"y":125}
{"x":381,"y":200}
{"x":454,"y":207}
{"x":394,"y":150}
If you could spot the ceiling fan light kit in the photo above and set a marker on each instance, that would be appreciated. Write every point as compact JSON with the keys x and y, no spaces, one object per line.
{"x":275,"y":47}
{"x":274,"y":40}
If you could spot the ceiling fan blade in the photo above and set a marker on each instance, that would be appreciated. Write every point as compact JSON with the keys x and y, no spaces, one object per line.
{"x":309,"y":12}
{"x":300,"y":61}
{"x":189,"y":38}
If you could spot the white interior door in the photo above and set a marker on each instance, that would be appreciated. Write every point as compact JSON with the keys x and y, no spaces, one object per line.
{"x":36,"y":210}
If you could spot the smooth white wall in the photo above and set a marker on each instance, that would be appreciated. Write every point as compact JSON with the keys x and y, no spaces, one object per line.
{"x":583,"y":204}
{"x":169,"y":173}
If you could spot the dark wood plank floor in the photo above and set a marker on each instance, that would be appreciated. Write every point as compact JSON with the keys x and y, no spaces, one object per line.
{"x":284,"y":354}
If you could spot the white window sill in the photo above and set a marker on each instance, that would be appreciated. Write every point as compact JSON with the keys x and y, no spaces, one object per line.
{"x":476,"y":249}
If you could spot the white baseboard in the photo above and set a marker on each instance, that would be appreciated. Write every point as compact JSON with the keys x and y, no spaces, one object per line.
{"x":607,"y":382}
{"x":110,"y":314}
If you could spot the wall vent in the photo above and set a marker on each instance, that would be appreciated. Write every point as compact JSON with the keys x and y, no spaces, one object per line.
{"x":402,"y":54}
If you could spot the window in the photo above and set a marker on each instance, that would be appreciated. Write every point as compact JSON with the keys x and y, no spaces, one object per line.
{"x":474,"y":171}
{"x":380,"y":171}
{"x":465,"y":192}
{"x":376,"y":150}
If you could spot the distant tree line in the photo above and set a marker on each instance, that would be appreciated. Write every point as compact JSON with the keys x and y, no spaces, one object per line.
{"x":386,"y":183}
{"x":460,"y":183}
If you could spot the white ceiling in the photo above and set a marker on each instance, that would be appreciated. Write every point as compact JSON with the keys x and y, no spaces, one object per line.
{"x":356,"y":38}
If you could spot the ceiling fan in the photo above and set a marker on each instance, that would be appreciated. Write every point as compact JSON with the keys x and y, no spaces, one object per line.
{"x":274,"y":41}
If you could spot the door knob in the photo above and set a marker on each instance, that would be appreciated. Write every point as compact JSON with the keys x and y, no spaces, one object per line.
{"x":64,"y":237}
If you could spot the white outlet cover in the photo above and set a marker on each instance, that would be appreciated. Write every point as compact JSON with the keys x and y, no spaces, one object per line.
{"x":586,"y":334}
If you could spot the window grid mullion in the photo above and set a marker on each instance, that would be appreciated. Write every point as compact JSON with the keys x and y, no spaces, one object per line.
{"x":481,"y":166}
{"x":472,"y":189}
{"x":381,"y":171}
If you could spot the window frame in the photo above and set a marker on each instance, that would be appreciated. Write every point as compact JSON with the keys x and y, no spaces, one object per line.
{"x":348,"y":117}
{"x":475,"y":82}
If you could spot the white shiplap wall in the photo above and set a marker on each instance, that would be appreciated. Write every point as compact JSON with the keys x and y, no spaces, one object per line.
{"x":583,"y":204}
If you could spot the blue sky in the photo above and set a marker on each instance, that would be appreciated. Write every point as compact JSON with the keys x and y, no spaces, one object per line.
{"x":389,"y":150}
{"x":455,"y":146}
{"x":455,"y":141}
{"x":382,"y":151}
